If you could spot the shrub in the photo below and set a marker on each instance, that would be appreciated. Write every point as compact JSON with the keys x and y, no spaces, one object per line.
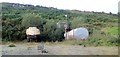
{"x":11,"y":45}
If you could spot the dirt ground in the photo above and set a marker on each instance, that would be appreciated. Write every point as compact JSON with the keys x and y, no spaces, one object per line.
{"x":56,"y":49}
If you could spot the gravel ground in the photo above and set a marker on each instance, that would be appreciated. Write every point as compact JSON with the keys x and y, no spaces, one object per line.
{"x":32,"y":49}
{"x":0,"y":50}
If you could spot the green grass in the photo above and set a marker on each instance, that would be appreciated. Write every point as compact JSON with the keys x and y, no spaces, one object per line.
{"x":112,"y":30}
{"x":89,"y":42}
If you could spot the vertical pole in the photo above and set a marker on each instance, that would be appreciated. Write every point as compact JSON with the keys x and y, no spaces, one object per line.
{"x":73,"y":33}
{"x":66,"y":27}
{"x":65,"y":34}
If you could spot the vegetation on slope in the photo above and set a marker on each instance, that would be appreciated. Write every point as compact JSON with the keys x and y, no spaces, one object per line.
{"x":17,"y":17}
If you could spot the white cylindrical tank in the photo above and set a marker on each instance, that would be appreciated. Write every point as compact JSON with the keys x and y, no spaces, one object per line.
{"x":78,"y":33}
{"x":32,"y":31}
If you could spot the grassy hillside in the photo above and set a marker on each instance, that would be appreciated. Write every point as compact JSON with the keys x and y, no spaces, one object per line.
{"x":17,"y":17}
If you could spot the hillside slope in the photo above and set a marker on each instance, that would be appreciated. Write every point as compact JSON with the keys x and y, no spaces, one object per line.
{"x":16,"y":18}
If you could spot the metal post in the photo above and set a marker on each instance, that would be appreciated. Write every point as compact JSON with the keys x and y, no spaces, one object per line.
{"x":73,"y":33}
{"x":66,"y":26}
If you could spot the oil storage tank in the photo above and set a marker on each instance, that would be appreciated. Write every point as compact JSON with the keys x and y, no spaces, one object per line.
{"x":78,"y":33}
{"x":32,"y":33}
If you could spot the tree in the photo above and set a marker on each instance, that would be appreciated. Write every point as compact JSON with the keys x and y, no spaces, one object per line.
{"x":32,"y":20}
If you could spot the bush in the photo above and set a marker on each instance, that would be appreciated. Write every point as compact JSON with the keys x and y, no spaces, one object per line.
{"x":11,"y":45}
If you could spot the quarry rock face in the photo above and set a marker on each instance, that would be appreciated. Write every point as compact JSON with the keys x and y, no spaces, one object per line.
{"x":78,"y":33}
